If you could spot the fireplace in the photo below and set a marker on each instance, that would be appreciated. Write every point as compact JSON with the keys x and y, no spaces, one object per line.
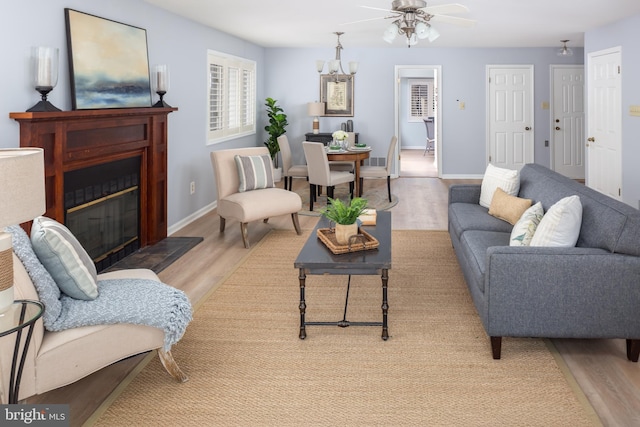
{"x":102,"y":209}
{"x":82,"y":151}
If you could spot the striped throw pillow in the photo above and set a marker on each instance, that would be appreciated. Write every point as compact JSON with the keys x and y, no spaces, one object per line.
{"x":64,"y":258}
{"x":254,"y":172}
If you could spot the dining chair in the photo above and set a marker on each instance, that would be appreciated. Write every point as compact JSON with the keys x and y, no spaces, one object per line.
{"x":337,"y":165}
{"x":428,"y":124}
{"x":380,"y":171}
{"x":320,"y":175}
{"x":289,"y":170}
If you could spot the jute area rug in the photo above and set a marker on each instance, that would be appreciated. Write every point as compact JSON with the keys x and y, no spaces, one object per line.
{"x":247,"y":366}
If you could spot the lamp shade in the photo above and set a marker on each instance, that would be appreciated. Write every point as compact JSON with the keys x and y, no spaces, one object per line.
{"x":315,"y":108}
{"x":22,"y":192}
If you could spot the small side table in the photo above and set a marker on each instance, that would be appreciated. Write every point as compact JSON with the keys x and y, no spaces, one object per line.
{"x":22,"y":314}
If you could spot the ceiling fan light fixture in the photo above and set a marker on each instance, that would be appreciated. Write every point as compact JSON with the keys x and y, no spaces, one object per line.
{"x":564,"y":50}
{"x":422,"y":30}
{"x":412,"y":39}
{"x":433,"y":34}
{"x":390,"y":33}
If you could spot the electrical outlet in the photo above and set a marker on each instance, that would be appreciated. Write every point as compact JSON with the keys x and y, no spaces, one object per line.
{"x":193,"y":187}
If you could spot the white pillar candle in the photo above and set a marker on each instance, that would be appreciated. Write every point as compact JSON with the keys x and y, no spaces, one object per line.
{"x":162,"y":78}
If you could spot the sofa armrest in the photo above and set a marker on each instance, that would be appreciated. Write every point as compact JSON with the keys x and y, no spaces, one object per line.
{"x":464,"y":193}
{"x":562,"y":292}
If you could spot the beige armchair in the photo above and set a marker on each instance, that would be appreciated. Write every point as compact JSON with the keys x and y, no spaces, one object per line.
{"x":248,"y":206}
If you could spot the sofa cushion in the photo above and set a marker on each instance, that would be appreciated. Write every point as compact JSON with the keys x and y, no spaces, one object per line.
{"x":494,"y":177}
{"x":507,"y":207}
{"x":560,"y":225}
{"x":254,"y":172}
{"x":64,"y":258}
{"x":525,"y":228}
{"x":471,"y":216}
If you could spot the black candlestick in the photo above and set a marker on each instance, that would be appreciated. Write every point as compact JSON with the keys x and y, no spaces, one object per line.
{"x":161,"y":103}
{"x":43,"y":105}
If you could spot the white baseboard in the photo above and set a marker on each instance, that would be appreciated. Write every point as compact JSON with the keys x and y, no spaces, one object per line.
{"x":454,"y":176}
{"x":194,"y":216}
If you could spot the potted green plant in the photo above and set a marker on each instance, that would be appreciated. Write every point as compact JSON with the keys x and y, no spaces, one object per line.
{"x":276,"y":127}
{"x":345,"y":217}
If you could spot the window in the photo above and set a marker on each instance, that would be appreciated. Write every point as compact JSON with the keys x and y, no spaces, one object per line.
{"x":421,"y":99}
{"x":231,"y":102}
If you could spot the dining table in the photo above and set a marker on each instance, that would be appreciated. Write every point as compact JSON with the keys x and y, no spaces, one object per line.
{"x":355,"y":155}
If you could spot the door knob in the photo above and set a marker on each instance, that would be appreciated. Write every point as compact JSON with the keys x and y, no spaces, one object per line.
{"x":591,"y":139}
{"x":557,"y":127}
{"x":557,"y":120}
{"x":527,"y":128}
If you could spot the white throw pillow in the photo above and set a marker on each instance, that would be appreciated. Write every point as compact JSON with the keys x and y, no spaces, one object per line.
{"x":560,"y":226}
{"x":524,"y":230}
{"x":507,"y":179}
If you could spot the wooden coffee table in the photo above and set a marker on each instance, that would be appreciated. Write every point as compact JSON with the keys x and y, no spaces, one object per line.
{"x":316,"y":259}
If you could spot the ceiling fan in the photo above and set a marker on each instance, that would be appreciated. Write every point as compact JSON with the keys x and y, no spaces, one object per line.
{"x":412,"y":18}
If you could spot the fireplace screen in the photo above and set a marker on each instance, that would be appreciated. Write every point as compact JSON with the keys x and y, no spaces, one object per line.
{"x":102,"y":206}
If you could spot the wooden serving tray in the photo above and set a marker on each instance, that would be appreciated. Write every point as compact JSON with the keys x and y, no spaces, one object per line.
{"x":363,"y":242}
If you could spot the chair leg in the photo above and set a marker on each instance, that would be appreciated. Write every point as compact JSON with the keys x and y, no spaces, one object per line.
{"x":312,"y":195}
{"x":296,"y":223}
{"x":351,"y":186}
{"x":388,"y":187}
{"x":222,"y":224}
{"x":330,"y":193}
{"x":361,"y":185}
{"x":170,"y":365}
{"x":245,"y":234}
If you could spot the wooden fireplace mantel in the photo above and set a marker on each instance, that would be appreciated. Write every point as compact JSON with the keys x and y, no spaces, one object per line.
{"x":78,"y":139}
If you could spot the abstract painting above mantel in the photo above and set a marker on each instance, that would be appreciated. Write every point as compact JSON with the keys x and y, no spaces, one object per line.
{"x":108,"y":63}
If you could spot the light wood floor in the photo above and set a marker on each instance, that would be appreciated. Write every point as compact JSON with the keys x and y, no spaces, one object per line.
{"x":600,"y":367}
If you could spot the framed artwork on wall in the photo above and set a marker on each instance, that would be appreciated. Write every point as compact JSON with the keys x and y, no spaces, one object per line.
{"x":108,"y":63}
{"x":337,"y":94}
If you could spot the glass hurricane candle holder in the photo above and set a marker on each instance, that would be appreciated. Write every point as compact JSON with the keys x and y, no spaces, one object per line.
{"x":44,"y":62}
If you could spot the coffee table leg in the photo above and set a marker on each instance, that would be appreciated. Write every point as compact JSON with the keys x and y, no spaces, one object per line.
{"x":303,"y":306}
{"x":385,"y":304}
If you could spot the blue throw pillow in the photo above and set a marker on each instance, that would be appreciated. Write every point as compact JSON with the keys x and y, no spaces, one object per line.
{"x":65,"y":258}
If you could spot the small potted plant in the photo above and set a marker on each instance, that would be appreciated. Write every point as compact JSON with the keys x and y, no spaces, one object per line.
{"x":345,"y":217}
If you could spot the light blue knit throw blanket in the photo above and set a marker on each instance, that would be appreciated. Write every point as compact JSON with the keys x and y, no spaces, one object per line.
{"x":136,"y":301}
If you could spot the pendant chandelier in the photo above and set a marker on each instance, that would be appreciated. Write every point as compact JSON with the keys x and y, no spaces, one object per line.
{"x":564,"y":50}
{"x":335,"y":65}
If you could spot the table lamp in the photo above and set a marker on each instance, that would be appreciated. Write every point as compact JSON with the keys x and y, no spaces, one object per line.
{"x":22,"y":198}
{"x":315,"y":109}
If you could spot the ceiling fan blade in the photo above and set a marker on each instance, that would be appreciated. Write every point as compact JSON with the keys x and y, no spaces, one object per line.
{"x":446,"y":9}
{"x":462,"y":22}
{"x":377,"y":8}
{"x":366,"y":20}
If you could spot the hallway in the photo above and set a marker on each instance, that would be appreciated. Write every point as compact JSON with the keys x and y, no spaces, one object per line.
{"x":415,"y":163}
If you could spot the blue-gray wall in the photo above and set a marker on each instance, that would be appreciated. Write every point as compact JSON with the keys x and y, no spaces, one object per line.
{"x":172,"y":40}
{"x":289,"y":75}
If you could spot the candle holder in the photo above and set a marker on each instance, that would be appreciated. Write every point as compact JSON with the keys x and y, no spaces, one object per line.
{"x":45,"y":73}
{"x":161,"y":84}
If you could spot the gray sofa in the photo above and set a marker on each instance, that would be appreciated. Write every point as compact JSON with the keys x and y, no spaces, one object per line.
{"x":588,"y":291}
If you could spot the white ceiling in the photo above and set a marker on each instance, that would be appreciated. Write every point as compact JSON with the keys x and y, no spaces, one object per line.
{"x":307,"y":23}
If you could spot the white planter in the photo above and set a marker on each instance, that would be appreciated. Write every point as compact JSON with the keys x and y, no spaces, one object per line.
{"x":343,"y":232}
{"x":277,"y":174}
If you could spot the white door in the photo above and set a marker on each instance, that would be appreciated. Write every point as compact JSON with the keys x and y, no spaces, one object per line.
{"x":604,"y":122}
{"x":567,"y":133}
{"x":510,"y":127}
